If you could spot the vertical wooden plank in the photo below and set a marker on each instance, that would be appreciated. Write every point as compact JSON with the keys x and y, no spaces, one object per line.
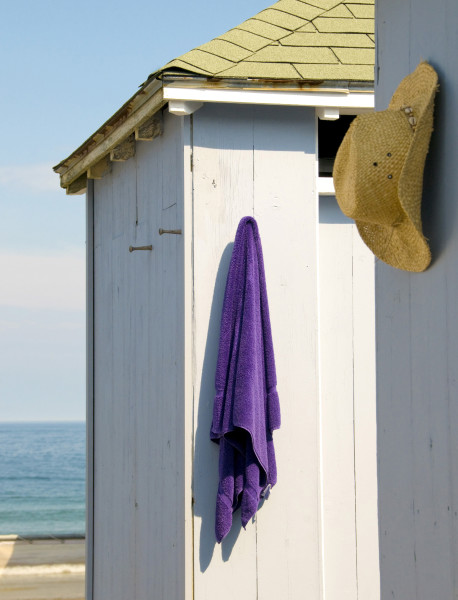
{"x":348,"y":436}
{"x":89,"y":390}
{"x":394,"y":396}
{"x":102,"y":361}
{"x":124,"y":399}
{"x":172,"y":361}
{"x":159,"y":300}
{"x":348,"y":422}
{"x":188,"y":348}
{"x":432,"y":467}
{"x":365,"y":442}
{"x":418,"y":469}
{"x":102,"y":371}
{"x":223,"y":194}
{"x":285,"y":203}
{"x":394,"y":418}
{"x":139,"y":364}
{"x":114,"y":465}
{"x":150,"y":403}
{"x":337,"y":399}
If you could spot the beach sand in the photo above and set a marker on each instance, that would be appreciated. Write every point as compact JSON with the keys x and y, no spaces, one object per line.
{"x":41,"y":569}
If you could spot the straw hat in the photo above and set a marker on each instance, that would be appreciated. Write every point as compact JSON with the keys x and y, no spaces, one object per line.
{"x":378,"y":172}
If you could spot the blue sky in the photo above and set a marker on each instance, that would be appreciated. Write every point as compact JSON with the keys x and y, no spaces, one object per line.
{"x":65,"y":69}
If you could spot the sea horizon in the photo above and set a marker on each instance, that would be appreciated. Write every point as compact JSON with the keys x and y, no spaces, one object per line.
{"x":42,"y":478}
{"x":12,"y":422}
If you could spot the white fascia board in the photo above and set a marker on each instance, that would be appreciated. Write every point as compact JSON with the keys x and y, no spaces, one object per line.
{"x":341,"y":99}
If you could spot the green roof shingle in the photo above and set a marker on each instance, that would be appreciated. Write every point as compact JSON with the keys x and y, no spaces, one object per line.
{"x":331,"y":40}
{"x":292,"y":39}
{"x":354,"y":56}
{"x":291,"y":54}
{"x":226,"y":49}
{"x":267,"y":30}
{"x":259,"y":70}
{"x":337,"y":72}
{"x":362,"y":11}
{"x":298,"y":8}
{"x":278,"y":17}
{"x":245,"y":39}
{"x":344,"y":25}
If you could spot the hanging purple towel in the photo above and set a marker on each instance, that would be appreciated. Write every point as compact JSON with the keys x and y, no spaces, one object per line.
{"x":246,"y":408}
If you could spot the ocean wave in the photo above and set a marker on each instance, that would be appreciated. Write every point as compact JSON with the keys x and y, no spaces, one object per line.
{"x":42,"y":570}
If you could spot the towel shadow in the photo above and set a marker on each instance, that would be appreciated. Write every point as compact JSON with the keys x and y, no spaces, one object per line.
{"x":206,"y":453}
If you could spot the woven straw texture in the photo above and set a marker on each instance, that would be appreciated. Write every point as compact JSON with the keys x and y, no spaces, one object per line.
{"x":378,"y":172}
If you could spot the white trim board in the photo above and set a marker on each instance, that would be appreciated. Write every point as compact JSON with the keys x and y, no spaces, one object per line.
{"x":326,"y":186}
{"x":344,"y":100}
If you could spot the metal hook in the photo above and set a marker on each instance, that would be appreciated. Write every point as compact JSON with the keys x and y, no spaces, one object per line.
{"x":132,"y":248}
{"x":175,"y":231}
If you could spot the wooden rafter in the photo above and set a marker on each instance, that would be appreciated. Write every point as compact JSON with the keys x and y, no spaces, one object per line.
{"x":150,"y":129}
{"x":78,"y":186}
{"x":100,"y":169}
{"x":124,"y":150}
{"x":81,"y":163}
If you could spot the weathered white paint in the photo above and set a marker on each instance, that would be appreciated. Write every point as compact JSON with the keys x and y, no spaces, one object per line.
{"x":339,"y":98}
{"x":183,"y":107}
{"x":156,"y":334}
{"x":365,"y":421}
{"x":417,"y":332}
{"x":222,"y":146}
{"x":347,"y":372}
{"x":286,"y":207}
{"x":188,"y":347}
{"x":139,"y":478}
{"x":325,"y":186}
{"x":89,"y":390}
{"x":261,"y":161}
{"x":143,"y":105}
{"x":327,"y":114}
{"x":336,"y":372}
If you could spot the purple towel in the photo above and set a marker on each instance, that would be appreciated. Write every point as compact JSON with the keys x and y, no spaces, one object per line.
{"x":246,"y":408}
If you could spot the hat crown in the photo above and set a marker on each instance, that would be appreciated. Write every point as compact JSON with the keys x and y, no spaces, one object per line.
{"x":367,"y":191}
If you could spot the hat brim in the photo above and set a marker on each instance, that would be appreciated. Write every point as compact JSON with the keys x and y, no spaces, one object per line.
{"x":401,"y":245}
{"x":419,"y":88}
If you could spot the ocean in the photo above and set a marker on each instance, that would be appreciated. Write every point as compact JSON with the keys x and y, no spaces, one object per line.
{"x":42,"y":478}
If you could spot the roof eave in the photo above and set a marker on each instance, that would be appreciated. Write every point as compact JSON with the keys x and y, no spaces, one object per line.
{"x":194,"y":80}
{"x":125,"y":121}
{"x":91,"y":158}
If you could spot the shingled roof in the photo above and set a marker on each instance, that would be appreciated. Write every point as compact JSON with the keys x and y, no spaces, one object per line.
{"x":292,"y":39}
{"x":300,"y":44}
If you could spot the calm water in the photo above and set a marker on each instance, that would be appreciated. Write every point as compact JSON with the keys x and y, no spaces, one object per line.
{"x":42,"y":478}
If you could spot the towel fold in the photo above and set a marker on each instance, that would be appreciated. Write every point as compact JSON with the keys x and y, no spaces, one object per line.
{"x":246,"y":407}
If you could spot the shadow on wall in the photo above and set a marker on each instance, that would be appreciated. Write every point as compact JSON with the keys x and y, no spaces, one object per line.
{"x":439,"y":224}
{"x":206,"y":453}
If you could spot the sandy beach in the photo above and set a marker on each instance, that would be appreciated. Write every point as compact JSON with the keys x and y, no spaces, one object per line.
{"x":41,"y":569}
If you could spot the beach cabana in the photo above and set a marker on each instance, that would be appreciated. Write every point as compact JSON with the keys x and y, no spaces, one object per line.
{"x":246,"y":124}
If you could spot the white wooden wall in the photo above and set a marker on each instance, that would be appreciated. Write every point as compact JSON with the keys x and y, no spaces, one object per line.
{"x":139,"y":480}
{"x":417,"y":331}
{"x":156,"y":333}
{"x":347,"y":403}
{"x":259,"y":161}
